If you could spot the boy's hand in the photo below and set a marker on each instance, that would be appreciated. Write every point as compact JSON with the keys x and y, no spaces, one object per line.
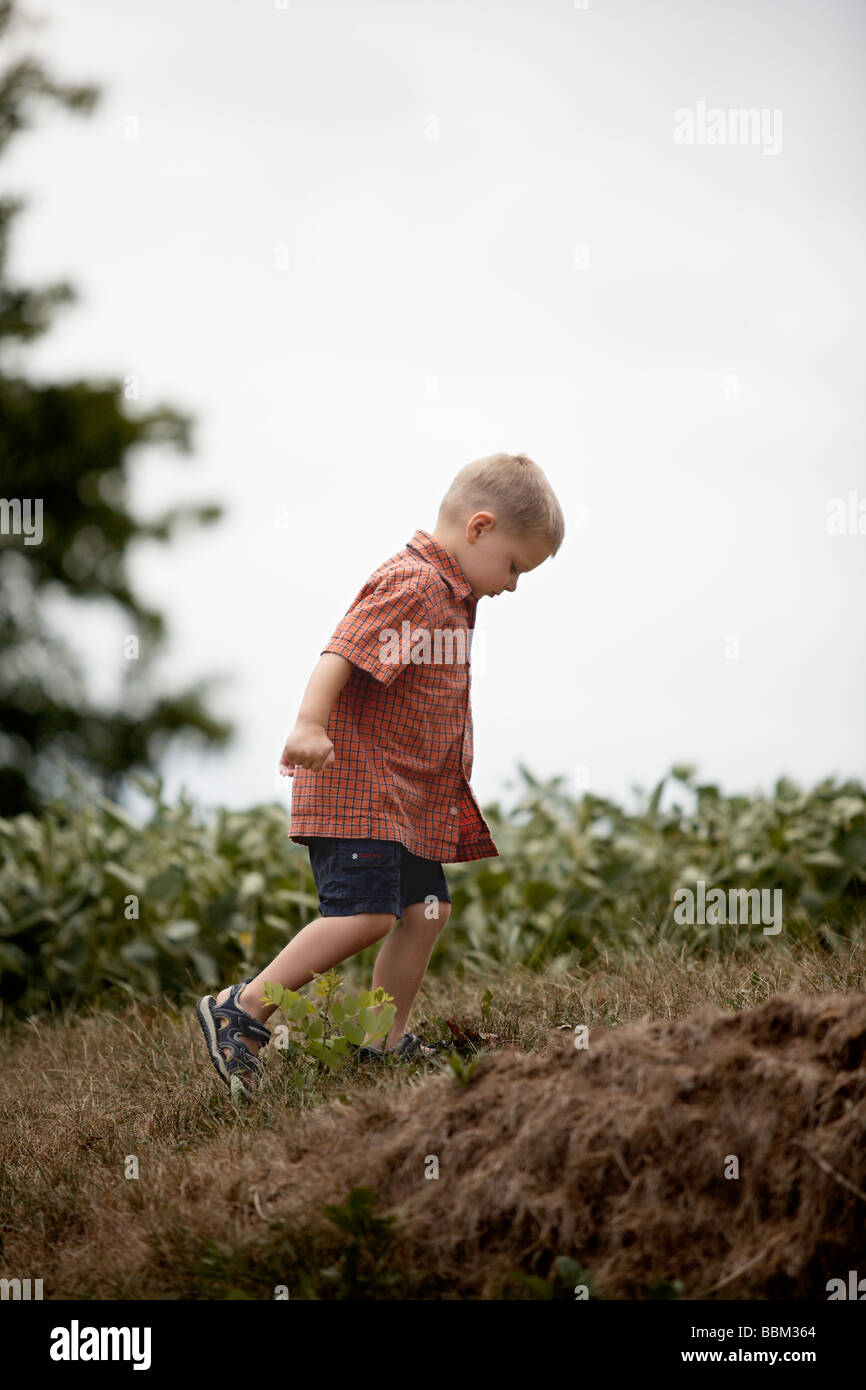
{"x":307,"y":746}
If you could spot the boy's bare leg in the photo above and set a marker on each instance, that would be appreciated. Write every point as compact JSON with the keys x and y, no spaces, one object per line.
{"x":317,"y":947}
{"x":403,"y":959}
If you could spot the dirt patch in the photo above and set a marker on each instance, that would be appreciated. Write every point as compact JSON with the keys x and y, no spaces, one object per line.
{"x":617,"y":1156}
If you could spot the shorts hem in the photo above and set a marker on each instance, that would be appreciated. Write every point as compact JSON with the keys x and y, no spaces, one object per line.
{"x":338,"y":908}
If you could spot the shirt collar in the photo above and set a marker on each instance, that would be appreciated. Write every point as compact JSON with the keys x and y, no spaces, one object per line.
{"x":423,"y":543}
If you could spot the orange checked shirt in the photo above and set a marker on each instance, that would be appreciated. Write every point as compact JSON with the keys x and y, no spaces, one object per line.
{"x":402,"y":724}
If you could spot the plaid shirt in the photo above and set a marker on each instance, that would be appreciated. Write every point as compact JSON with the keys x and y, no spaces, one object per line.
{"x":402,"y":724}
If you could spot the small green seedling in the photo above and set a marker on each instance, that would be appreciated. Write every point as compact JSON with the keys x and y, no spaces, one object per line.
{"x":461,"y":1070}
{"x":329,"y":1028}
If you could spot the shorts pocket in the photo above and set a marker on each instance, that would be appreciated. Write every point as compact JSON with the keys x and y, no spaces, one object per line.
{"x":366,"y":872}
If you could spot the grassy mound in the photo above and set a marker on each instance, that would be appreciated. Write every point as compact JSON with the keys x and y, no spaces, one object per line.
{"x":604,"y":1165}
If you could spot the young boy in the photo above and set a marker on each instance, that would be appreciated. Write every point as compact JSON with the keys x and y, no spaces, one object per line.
{"x":381,"y":754}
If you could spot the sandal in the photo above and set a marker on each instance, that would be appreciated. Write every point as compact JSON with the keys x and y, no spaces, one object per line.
{"x":409,"y":1048}
{"x":225,"y":1025}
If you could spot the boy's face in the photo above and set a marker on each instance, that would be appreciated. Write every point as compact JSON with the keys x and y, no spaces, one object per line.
{"x":494,"y":559}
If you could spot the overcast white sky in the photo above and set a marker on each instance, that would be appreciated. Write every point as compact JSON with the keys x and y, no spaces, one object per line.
{"x":364,"y":243}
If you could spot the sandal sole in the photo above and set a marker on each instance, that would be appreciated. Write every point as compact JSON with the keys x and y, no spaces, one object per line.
{"x":208,"y":1027}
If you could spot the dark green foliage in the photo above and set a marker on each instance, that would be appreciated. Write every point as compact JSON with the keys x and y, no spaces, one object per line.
{"x":567,"y":1281}
{"x":612,"y":874}
{"x":362,"y":1270}
{"x":94,"y":908}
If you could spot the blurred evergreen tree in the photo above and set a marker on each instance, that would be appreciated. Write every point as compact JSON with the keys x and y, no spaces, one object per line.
{"x":68,"y":444}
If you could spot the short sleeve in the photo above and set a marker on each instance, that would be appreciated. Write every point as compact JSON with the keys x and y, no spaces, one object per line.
{"x":371,"y":635}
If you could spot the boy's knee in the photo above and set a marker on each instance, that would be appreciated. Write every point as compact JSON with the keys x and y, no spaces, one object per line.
{"x":377,"y":924}
{"x":434,"y":914}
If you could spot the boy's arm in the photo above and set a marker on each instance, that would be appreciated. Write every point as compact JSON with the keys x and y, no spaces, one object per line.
{"x":308,"y":744}
{"x":383,"y":605}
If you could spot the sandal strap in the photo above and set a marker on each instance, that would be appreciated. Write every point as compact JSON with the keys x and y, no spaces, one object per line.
{"x":410,"y":1045}
{"x":242,"y":1066}
{"x":239,"y":1023}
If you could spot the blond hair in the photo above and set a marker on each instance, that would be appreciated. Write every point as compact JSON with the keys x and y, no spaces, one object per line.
{"x":515,"y":489}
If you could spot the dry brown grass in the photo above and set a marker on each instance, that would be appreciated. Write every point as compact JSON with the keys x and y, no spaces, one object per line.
{"x":613,"y":1155}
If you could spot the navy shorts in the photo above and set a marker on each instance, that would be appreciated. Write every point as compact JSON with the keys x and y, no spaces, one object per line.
{"x":372,"y":876}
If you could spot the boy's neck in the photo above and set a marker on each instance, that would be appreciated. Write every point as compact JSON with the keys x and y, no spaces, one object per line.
{"x":446,"y":537}
{"x":449,"y":538}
